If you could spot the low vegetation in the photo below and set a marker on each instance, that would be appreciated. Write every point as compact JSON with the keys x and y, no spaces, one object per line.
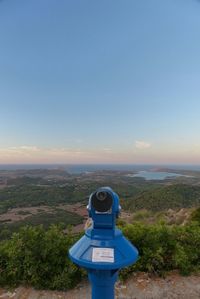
{"x":38,"y":257}
{"x":58,"y":216}
{"x":165,"y":197}
{"x":27,"y":196}
{"x":162,"y":220}
{"x":164,"y":248}
{"x":195,"y":216}
{"x":36,"y":191}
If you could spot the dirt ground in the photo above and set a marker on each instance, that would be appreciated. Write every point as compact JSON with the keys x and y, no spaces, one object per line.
{"x":140,"y":286}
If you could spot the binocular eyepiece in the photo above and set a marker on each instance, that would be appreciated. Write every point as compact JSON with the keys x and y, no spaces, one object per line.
{"x":101,"y":195}
{"x":102,"y":201}
{"x":103,"y":208}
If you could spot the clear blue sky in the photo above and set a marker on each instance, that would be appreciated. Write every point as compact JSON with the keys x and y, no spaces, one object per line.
{"x":100,"y":81}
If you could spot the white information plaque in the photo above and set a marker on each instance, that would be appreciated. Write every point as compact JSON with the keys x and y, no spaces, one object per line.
{"x":103,"y":255}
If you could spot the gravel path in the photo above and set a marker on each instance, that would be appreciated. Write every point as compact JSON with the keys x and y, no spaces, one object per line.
{"x":140,"y":286}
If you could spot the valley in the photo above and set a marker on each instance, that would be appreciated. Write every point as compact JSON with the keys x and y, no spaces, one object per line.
{"x":54,"y":196}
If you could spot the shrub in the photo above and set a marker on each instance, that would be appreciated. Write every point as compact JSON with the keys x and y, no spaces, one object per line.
{"x":39,"y":258}
{"x":163,"y":248}
{"x":195,"y":216}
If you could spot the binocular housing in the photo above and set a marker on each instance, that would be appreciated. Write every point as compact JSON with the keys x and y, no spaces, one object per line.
{"x":101,"y":201}
{"x":103,"y":250}
{"x":104,"y":207}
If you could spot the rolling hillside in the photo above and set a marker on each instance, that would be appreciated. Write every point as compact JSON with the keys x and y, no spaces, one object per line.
{"x":165,"y":197}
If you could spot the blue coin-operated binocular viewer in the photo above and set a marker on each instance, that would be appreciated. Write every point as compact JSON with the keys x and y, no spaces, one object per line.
{"x":103,"y":250}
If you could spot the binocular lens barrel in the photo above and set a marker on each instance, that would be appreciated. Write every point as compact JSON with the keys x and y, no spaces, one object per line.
{"x":101,"y":195}
{"x":102,"y":201}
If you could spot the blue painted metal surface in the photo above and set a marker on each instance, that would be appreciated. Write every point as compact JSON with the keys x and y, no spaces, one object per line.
{"x":103,"y":250}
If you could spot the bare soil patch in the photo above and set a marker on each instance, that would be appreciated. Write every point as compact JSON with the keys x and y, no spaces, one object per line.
{"x":140,"y":286}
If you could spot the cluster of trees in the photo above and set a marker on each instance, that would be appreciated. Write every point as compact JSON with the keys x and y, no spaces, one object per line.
{"x":136,"y":196}
{"x":165,"y":197}
{"x":26,"y":194}
{"x":31,"y":195}
{"x":38,"y":257}
{"x":196,"y":215}
{"x":57,"y":216}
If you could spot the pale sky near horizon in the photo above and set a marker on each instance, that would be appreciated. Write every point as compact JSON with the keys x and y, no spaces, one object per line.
{"x":100,"y":81}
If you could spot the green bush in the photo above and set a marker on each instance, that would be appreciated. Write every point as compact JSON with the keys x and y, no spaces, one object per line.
{"x":195,"y":216}
{"x":39,"y":258}
{"x":163,"y":248}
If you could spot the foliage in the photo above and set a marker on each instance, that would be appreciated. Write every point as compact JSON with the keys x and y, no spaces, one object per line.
{"x":35,"y":191}
{"x":142,"y":215}
{"x":196,"y":215}
{"x":165,"y":197}
{"x":35,"y":195}
{"x":57,"y":216}
{"x":37,"y":257}
{"x":163,"y":248}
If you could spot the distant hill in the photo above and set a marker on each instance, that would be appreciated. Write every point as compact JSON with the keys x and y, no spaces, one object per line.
{"x":165,"y":197}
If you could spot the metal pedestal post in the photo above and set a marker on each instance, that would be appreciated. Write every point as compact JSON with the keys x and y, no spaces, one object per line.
{"x":103,"y":250}
{"x":103,"y":283}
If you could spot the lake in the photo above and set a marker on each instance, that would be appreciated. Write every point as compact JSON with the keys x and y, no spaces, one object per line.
{"x":156,"y":175}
